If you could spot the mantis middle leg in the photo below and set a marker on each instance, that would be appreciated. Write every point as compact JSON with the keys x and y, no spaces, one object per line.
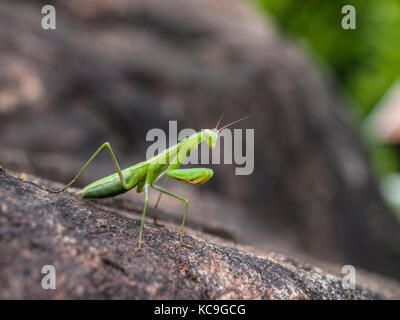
{"x":162,"y":190}
{"x":146,"y":190}
{"x":158,"y":201}
{"x":194,"y":176}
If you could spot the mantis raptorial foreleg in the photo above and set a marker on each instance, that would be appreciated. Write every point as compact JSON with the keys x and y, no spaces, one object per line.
{"x":114,"y":160}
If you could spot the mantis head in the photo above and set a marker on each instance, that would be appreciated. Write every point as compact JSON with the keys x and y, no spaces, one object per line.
{"x":211,"y":135}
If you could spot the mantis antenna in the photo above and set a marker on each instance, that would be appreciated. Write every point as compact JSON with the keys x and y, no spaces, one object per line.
{"x":229,"y":124}
{"x":219,"y":120}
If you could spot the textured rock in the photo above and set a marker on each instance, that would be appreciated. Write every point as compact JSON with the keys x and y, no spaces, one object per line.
{"x":92,"y":245}
{"x":113,"y":70}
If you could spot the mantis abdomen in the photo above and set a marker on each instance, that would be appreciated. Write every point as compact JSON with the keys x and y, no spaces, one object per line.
{"x":111,"y":185}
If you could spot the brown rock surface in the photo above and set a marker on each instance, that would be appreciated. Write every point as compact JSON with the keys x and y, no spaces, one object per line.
{"x":92,"y":245}
{"x":113,"y":70}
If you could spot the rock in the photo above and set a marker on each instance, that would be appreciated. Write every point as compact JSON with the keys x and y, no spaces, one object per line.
{"x":92,"y":245}
{"x":113,"y":70}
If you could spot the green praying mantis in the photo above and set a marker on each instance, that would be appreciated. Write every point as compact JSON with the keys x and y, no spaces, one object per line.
{"x":146,"y":173}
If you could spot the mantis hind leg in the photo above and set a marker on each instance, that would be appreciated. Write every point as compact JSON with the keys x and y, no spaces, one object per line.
{"x":162,"y":190}
{"x":114,"y":160}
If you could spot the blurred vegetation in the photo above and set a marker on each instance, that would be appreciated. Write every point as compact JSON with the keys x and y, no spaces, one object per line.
{"x":365,"y":61}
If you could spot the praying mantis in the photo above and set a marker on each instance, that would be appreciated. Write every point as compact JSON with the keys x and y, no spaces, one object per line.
{"x":146,"y":173}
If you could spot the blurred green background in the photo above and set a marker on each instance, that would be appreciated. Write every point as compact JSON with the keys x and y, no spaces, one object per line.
{"x":364,"y":61}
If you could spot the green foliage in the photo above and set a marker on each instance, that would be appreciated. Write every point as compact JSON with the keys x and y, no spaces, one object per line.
{"x":385,"y":159}
{"x":366,"y":60}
